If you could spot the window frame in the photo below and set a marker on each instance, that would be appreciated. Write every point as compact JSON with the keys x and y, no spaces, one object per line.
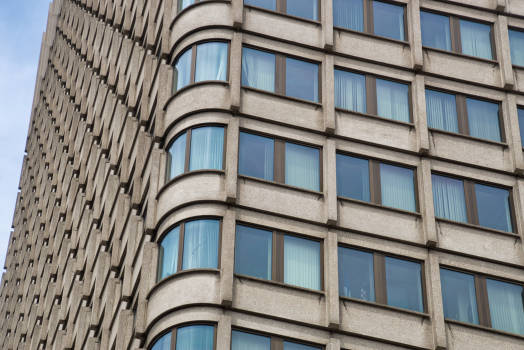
{"x":174,"y":330}
{"x":379,"y":277}
{"x":375,"y":187}
{"x":279,"y":158}
{"x":182,"y":224}
{"x":277,"y":255}
{"x":515,"y":29}
{"x":277,"y":342}
{"x":519,"y":106}
{"x":281,"y":9}
{"x":280,"y":73}
{"x":455,"y":37}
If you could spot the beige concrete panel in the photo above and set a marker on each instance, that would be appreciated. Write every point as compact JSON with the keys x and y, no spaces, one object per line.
{"x":473,"y":173}
{"x":465,"y":337}
{"x":189,"y":212}
{"x":358,"y":343}
{"x":196,"y":119}
{"x":515,"y":7}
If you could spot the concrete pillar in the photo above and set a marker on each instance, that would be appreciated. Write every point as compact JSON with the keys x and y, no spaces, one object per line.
{"x":503,"y":52}
{"x":326,"y":11}
{"x":512,"y":130}
{"x":328,"y":94}
{"x":415,"y":36}
{"x":331,"y":280}
{"x":436,"y":310}
{"x":425,"y":192}
{"x":419,"y":114}
{"x":237,"y":6}
{"x":232,"y":160}
{"x":227,"y":264}
{"x":224,"y":333}
{"x":330,"y":182}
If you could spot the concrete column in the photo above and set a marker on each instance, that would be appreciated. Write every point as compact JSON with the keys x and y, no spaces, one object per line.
{"x":518,"y":202}
{"x":415,"y":36}
{"x":235,"y":71}
{"x":500,"y":5}
{"x":512,"y":130}
{"x":330,"y":182}
{"x":425,"y":192}
{"x":227,"y":264}
{"x":503,"y":52}
{"x":333,"y":344}
{"x":326,"y":11}
{"x":328,"y":94}
{"x":419,"y":114}
{"x":331,"y":280}
{"x":237,"y":6}
{"x":224,"y":333}
{"x":434,"y":296}
{"x":232,"y":160}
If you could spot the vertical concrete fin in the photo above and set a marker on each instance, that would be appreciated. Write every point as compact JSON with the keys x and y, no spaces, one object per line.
{"x":417,"y":58}
{"x":419,"y":114}
{"x":224,"y":333}
{"x":426,"y":202}
{"x":227,"y":258}
{"x":330,"y":182}
{"x":328,"y":94}
{"x":232,"y":160}
{"x":503,"y":52}
{"x":327,"y":24}
{"x":331,"y":279}
{"x":511,"y":119}
{"x":436,"y":309}
{"x":238,"y":12}
{"x":235,"y":73}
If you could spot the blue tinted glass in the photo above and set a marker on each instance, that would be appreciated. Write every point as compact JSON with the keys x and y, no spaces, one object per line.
{"x":211,"y":62}
{"x":350,"y":91}
{"x":302,"y":79}
{"x":404,"y":284}
{"x":207,"y":148}
{"x":256,"y":155}
{"x":516,"y":45}
{"x":302,"y":262}
{"x":505,"y":306}
{"x":303,"y":8}
{"x":353,"y":177}
{"x":483,"y":118}
{"x":348,"y":14}
{"x":182,"y":71}
{"x":393,"y":100}
{"x":253,"y":252}
{"x":302,"y":166}
{"x":195,"y":338}
{"x":476,"y":39}
{"x":168,"y":253}
{"x":441,"y":110}
{"x":163,"y":343}
{"x":201,"y":244}
{"x":388,"y":20}
{"x":397,"y":187}
{"x":435,"y":31}
{"x":266,"y":4}
{"x":494,"y":207}
{"x":458,"y":296}
{"x":258,"y":69}
{"x":248,"y":341}
{"x":448,"y":198}
{"x":294,"y":346}
{"x":176,"y":156}
{"x":355,"y":274}
{"x":521,"y":125}
{"x":182,"y":4}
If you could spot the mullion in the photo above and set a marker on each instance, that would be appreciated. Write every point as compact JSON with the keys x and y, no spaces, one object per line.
{"x":462,"y":114}
{"x":456,"y":42}
{"x":193,"y":64}
{"x":371,"y":95}
{"x":471,"y":202}
{"x":379,"y":269}
{"x":375,"y":194}
{"x":188,"y":151}
{"x":180,"y":246}
{"x":481,"y":293}
{"x":282,"y":6}
{"x":279,"y":167}
{"x":277,"y":343}
{"x":173,"y":339}
{"x":369,"y":26}
{"x":280,"y":74}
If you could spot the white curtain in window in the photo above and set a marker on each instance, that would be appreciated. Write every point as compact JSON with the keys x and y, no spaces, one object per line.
{"x":182,"y":71}
{"x":350,"y":91}
{"x":169,"y":252}
{"x":393,"y":100}
{"x":483,"y":119}
{"x":195,"y":338}
{"x":176,"y":157}
{"x":397,"y":187}
{"x":302,"y":166}
{"x":248,"y":341}
{"x":449,"y":199}
{"x":441,"y":109}
{"x":516,"y":45}
{"x":348,"y":14}
{"x":476,"y":39}
{"x":258,"y":69}
{"x":211,"y":62}
{"x":163,"y":343}
{"x":302,"y":262}
{"x":201,"y":244}
{"x":207,"y":148}
{"x":505,"y":306}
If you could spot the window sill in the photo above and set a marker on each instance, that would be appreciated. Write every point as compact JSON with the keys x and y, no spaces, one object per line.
{"x":280,"y":284}
{"x":389,"y":120}
{"x":472,"y":138}
{"x":456,"y":54}
{"x":178,"y":177}
{"x":302,"y":19}
{"x":178,"y":274}
{"x":246,"y":177}
{"x":384,"y":38}
{"x":477,"y":227}
{"x":188,"y":87}
{"x":196,"y":4}
{"x":294,"y":99}
{"x":483,"y":328}
{"x":384,"y":306}
{"x":380,"y":206}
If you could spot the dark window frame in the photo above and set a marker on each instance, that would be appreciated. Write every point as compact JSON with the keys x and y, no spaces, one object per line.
{"x":277,"y":342}
{"x":281,"y":9}
{"x":279,"y":158}
{"x":182,"y":225}
{"x":277,"y":253}
{"x":379,"y":276}
{"x":174,"y":330}
{"x":375,"y":190}
{"x":520,"y":126}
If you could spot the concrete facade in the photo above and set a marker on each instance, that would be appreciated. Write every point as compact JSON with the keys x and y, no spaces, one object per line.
{"x":82,"y":260}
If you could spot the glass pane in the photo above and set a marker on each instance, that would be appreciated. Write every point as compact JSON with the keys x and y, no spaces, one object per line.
{"x":353,"y":178}
{"x":441,"y":109}
{"x":163,"y":343}
{"x":521,"y":125}
{"x":494,"y":207}
{"x":505,"y":306}
{"x":350,"y":91}
{"x":303,"y":8}
{"x":476,"y":39}
{"x":253,"y":252}
{"x":266,"y":4}
{"x":176,"y":156}
{"x":258,"y":69}
{"x":397,"y":187}
{"x":435,"y":31}
{"x":256,"y":155}
{"x":195,"y":338}
{"x":393,"y":100}
{"x":302,"y":166}
{"x":388,"y":20}
{"x":182,"y":71}
{"x":294,"y":346}
{"x":201,"y":244}
{"x":168,"y":253}
{"x":355,"y":274}
{"x":302,"y":262}
{"x":404,"y":284}
{"x":207,"y":148}
{"x":458,"y":296}
{"x":182,"y":4}
{"x":516,"y":45}
{"x":483,"y":118}
{"x":211,"y":62}
{"x":302,"y":79}
{"x":449,"y":199}
{"x":348,"y":14}
{"x":248,"y":341}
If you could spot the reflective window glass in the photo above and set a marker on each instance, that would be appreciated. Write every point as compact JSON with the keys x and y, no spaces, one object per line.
{"x":182,"y":71}
{"x":483,"y":118}
{"x":303,"y":8}
{"x":355,"y":274}
{"x":256,"y":156}
{"x":253,"y":252}
{"x":198,"y":337}
{"x":301,"y":79}
{"x":435,"y":31}
{"x":494,"y":207}
{"x":388,"y":20}
{"x":353,"y":177}
{"x":459,"y":296}
{"x":248,"y":341}
{"x":404,"y":284}
{"x":516,"y":45}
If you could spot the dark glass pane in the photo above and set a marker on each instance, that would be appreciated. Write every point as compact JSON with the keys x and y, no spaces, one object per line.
{"x":483,"y":118}
{"x":302,"y":166}
{"x":353,"y":177}
{"x":198,"y":337}
{"x":505,"y":306}
{"x":516,"y":45}
{"x":348,"y":14}
{"x":176,"y":156}
{"x":388,"y":20}
{"x":355,"y":274}
{"x":397,"y":186}
{"x":435,"y":31}
{"x":258,"y":69}
{"x":256,"y":156}
{"x":302,"y":79}
{"x":521,"y":125}
{"x":248,"y":341}
{"x":404,"y":284}
{"x":441,"y":110}
{"x":476,"y":39}
{"x":163,"y":343}
{"x":266,"y":4}
{"x":303,"y":8}
{"x":211,"y":62}
{"x":459,"y":296}
{"x":168,"y":253}
{"x":253,"y":252}
{"x":494,"y":207}
{"x":294,"y":346}
{"x":182,"y":71}
{"x":350,"y":91}
{"x":448,"y":198}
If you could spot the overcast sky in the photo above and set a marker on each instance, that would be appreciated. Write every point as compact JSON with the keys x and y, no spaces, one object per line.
{"x":22,"y":23}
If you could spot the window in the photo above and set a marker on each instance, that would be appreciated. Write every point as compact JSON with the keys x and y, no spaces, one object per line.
{"x":516,"y":45}
{"x":473,"y":203}
{"x":383,"y":19}
{"x":196,"y":149}
{"x":280,"y":74}
{"x":464,"y":115}
{"x":371,"y":95}
{"x":375,"y":182}
{"x":201,"y":337}
{"x":274,"y":159}
{"x":190,"y":245}
{"x":305,"y":9}
{"x":458,"y":35}
{"x":520,"y":112}
{"x":475,"y":299}
{"x":245,"y":341}
{"x":381,"y":279}
{"x":203,"y":62}
{"x":273,"y":255}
